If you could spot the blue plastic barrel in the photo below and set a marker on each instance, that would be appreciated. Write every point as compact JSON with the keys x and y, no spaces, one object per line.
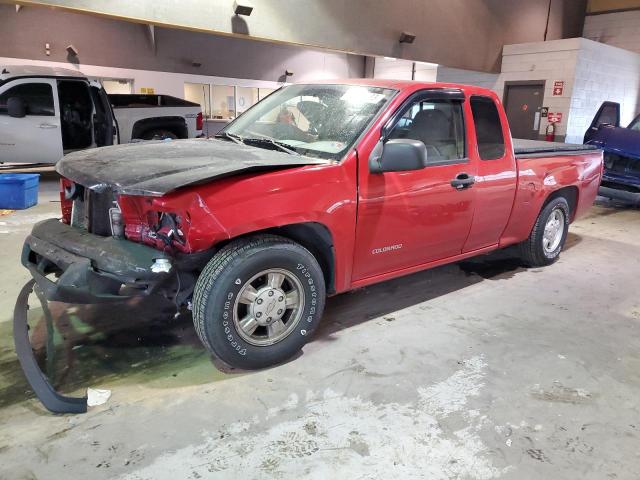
{"x":18,"y":190}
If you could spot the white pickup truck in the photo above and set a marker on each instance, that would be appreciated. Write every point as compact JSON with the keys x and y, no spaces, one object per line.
{"x":48,"y":112}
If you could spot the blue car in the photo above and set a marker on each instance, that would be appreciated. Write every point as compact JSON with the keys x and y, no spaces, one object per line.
{"x":621,"y":179}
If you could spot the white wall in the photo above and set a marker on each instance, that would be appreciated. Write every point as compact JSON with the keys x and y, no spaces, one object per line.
{"x":426,"y":72}
{"x":399,"y":69}
{"x":603,"y":73}
{"x":619,"y":29}
{"x":166,"y":83}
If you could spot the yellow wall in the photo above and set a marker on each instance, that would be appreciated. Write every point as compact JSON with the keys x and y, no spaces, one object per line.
{"x":599,"y":6}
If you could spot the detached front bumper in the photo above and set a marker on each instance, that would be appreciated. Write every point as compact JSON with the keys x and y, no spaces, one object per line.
{"x":90,"y":268}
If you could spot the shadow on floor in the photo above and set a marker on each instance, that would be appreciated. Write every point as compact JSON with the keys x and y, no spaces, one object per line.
{"x":140,"y":342}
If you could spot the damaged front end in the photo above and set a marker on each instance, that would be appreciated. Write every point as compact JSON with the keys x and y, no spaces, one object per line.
{"x":106,"y":248}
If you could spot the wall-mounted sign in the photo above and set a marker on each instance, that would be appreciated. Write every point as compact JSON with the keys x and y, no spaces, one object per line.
{"x":554,"y":117}
{"x":544,"y":111}
{"x":525,"y":107}
{"x":147,"y":90}
{"x":558,"y":88}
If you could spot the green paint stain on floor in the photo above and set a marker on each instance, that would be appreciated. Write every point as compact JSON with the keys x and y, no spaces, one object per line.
{"x":133,"y":343}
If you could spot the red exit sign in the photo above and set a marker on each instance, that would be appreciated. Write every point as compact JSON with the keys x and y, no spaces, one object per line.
{"x":558,"y":88}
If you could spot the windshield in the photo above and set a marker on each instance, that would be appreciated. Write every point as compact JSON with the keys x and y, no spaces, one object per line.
{"x":317,"y":120}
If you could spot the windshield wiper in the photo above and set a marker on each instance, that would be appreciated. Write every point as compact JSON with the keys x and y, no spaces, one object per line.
{"x":280,"y":145}
{"x":231,"y":136}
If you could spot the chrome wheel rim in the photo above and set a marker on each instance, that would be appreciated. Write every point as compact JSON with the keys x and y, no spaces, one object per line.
{"x":268,"y":307}
{"x":553,"y":231}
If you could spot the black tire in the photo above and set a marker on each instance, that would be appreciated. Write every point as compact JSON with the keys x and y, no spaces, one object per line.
{"x":222,"y":280}
{"x":159,"y":134}
{"x":532,"y":250}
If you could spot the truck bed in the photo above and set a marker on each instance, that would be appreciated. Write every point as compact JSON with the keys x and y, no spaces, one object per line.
{"x":536,"y":148}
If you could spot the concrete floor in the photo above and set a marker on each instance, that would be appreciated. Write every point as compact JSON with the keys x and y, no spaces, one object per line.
{"x":471,"y":371}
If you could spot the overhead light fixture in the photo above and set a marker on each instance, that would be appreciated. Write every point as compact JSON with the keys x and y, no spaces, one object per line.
{"x":196,"y":64}
{"x":72,"y":50}
{"x":406,"y":37}
{"x":242,"y":8}
{"x":288,"y":73}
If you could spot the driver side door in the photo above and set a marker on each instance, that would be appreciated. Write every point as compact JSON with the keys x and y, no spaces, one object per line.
{"x":410,"y":218}
{"x":35,"y":137}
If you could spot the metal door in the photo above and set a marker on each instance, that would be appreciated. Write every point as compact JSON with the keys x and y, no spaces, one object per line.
{"x":523,"y":104}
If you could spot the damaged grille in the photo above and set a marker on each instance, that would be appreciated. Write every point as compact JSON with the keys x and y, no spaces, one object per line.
{"x":90,"y":211}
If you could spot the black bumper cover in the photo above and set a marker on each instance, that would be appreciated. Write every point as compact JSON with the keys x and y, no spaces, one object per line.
{"x":91,"y":268}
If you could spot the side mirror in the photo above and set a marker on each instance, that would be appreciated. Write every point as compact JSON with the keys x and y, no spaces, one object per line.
{"x":16,"y":107}
{"x":398,"y":155}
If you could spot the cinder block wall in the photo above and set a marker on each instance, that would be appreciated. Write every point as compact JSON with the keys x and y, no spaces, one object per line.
{"x":619,"y":29}
{"x":592,"y":73}
{"x":603,"y":73}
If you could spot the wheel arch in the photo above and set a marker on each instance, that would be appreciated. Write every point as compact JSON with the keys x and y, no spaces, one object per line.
{"x":175,"y":124}
{"x":315,"y":237}
{"x":570,"y":194}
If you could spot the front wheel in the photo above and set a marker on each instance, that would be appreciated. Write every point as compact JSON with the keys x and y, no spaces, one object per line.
{"x":258,"y":301}
{"x":548,"y":235}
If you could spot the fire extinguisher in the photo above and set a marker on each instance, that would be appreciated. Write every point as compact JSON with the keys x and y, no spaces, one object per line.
{"x":551,"y":133}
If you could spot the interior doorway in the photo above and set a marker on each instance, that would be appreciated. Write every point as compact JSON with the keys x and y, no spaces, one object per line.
{"x":523,"y":104}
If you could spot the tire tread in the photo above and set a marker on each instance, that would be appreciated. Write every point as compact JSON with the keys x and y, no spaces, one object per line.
{"x":529,"y":250}
{"x":216,"y":266}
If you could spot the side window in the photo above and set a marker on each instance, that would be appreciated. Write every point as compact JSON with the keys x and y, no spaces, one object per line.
{"x":608,"y":115}
{"x":439,"y":124}
{"x":38,"y":98}
{"x":488,"y":128}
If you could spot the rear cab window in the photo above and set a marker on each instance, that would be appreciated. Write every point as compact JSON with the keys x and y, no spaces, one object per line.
{"x":38,"y":98}
{"x":488,"y":128}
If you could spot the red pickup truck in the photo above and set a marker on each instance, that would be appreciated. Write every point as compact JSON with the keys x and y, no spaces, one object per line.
{"x":318,"y":189}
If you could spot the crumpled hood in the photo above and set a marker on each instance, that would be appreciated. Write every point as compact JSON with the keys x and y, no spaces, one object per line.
{"x":158,"y":167}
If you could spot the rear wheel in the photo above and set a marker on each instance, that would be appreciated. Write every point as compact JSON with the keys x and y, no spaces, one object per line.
{"x":258,"y":301}
{"x":548,"y":235}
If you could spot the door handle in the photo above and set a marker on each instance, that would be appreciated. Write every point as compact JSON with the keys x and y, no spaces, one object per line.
{"x":462,"y":181}
{"x":47,"y":125}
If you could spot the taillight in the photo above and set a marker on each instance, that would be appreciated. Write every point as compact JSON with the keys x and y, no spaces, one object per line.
{"x":199,"y":121}
{"x":67,"y":189}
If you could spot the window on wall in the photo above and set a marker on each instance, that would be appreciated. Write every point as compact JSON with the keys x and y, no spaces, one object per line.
{"x":223,"y":102}
{"x":245,"y":97}
{"x":37,"y":97}
{"x":263,"y":92}
{"x":117,"y":85}
{"x":439,"y":124}
{"x":199,"y":93}
{"x":488,"y":128}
